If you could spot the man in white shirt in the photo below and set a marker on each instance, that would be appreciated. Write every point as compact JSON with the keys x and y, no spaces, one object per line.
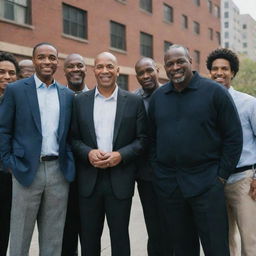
{"x":108,"y":135}
{"x":240,"y":189}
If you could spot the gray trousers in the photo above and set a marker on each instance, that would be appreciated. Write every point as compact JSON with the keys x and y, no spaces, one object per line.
{"x":45,"y":201}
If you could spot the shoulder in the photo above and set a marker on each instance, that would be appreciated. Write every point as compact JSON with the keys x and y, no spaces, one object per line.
{"x":128,"y":95}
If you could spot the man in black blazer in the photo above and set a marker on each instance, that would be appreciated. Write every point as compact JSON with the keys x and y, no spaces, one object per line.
{"x":108,"y":134}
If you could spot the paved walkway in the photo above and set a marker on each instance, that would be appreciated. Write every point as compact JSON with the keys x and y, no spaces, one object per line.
{"x":138,"y":235}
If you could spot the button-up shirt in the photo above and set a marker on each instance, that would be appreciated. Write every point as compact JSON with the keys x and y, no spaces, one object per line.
{"x":49,"y":107}
{"x":246,"y":108}
{"x":104,"y":114}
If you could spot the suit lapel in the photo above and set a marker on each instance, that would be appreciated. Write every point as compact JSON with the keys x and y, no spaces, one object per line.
{"x":62,"y":102}
{"x":121,"y":102}
{"x":89,"y":115}
{"x":30,"y":90}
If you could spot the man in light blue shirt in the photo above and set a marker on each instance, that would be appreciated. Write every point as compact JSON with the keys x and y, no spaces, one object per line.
{"x":240,"y":189}
{"x":34,"y":148}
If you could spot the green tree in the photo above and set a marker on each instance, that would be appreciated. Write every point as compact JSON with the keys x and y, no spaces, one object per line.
{"x":245,"y":80}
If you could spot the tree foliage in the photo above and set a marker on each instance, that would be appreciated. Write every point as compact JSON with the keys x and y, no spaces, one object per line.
{"x":245,"y":80}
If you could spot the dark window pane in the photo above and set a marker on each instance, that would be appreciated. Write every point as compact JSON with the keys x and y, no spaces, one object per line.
{"x":122,"y":81}
{"x":146,"y":45}
{"x":146,"y":5}
{"x":74,"y":21}
{"x":117,"y":35}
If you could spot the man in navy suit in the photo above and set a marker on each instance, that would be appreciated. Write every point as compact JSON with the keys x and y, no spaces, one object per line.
{"x":34,"y":148}
{"x":196,"y":144}
{"x":108,"y":135}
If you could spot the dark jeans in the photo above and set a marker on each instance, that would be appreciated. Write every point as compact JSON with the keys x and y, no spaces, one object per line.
{"x":5,"y":210}
{"x":203,"y":215}
{"x":72,"y":227}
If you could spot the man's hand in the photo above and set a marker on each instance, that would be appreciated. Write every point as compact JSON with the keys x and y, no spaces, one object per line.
{"x":252,"y":191}
{"x":97,"y":158}
{"x":114,"y":158}
{"x":100,"y":159}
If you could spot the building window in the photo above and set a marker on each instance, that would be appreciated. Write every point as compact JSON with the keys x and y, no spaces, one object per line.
{"x":168,"y":13}
{"x":244,"y":45}
{"x":74,"y":21}
{"x":18,"y":11}
{"x":117,"y":35}
{"x":209,"y":3}
{"x":226,"y":45}
{"x":167,"y":45}
{"x":196,"y":27}
{"x":184,"y":21}
{"x":226,"y":15}
{"x":226,"y":35}
{"x":217,"y":11}
{"x":197,"y":2}
{"x":122,"y":81}
{"x":197,"y":59}
{"x":226,"y":24}
{"x":226,"y":5}
{"x":244,"y":26}
{"x":146,"y":5}
{"x":146,"y":45}
{"x":210,"y":33}
{"x":218,"y":37}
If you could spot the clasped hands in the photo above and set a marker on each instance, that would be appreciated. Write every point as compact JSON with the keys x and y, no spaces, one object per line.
{"x":103,"y":160}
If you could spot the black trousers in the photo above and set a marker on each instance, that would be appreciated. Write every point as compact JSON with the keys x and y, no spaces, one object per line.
{"x":203,"y":215}
{"x":152,"y":216}
{"x":5,"y":210}
{"x":72,"y":229}
{"x":93,"y":210}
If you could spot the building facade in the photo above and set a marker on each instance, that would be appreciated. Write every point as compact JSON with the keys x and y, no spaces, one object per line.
{"x":127,"y":28}
{"x":238,"y":31}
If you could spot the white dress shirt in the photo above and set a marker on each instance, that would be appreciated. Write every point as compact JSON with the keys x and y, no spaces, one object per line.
{"x":104,"y":114}
{"x":49,"y":107}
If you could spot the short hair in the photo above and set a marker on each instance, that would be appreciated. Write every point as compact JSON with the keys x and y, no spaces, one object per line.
{"x":40,"y":44}
{"x":6,"y":56}
{"x":224,"y":53}
{"x":173,"y":46}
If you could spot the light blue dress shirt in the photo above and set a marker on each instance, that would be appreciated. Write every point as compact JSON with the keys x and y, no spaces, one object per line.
{"x":104,"y":114}
{"x":246,"y":108}
{"x":49,"y":107}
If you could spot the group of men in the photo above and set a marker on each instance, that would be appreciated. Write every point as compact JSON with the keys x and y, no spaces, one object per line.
{"x":72,"y":156}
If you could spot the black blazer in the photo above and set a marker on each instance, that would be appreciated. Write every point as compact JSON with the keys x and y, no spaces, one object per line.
{"x":130,"y":137}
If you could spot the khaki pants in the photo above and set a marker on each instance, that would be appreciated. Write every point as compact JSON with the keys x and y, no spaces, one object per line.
{"x":241,"y":214}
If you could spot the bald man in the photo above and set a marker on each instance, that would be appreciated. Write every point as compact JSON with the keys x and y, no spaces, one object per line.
{"x":26,"y":68}
{"x":108,"y":135}
{"x":75,"y":72}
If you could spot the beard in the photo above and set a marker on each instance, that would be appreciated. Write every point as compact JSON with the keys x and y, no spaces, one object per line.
{"x":178,"y":80}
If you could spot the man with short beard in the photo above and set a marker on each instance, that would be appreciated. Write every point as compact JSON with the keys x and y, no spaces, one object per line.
{"x":196,"y":144}
{"x":75,"y":72}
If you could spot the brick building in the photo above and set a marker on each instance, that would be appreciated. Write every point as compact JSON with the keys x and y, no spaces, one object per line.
{"x":127,"y":28}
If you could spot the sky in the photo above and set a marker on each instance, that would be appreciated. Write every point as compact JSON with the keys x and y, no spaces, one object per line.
{"x":247,"y":7}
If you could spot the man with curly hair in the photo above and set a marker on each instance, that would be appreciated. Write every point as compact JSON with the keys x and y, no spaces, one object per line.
{"x":240,"y":188}
{"x":8,"y":73}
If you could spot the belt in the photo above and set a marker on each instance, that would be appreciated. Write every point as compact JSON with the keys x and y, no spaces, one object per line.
{"x":245,"y":168}
{"x":48,"y":158}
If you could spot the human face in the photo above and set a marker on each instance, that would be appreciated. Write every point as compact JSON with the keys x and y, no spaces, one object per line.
{"x":75,"y":71}
{"x":7,"y":74}
{"x":106,"y":71}
{"x":147,"y":75}
{"x":45,"y":61}
{"x":26,"y":70}
{"x":178,"y":66}
{"x":221,"y":72}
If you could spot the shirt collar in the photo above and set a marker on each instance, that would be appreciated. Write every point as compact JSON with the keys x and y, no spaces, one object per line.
{"x":40,"y":84}
{"x":112,"y":96}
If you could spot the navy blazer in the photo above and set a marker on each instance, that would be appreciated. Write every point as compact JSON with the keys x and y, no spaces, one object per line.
{"x":21,"y":135}
{"x":130,"y":137}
